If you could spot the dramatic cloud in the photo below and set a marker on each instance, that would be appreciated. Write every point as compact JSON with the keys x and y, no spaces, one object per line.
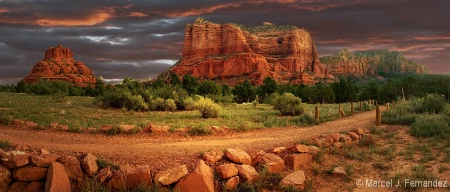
{"x":140,"y":39}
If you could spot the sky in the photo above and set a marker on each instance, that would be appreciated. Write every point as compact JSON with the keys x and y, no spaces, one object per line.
{"x":140,"y":39}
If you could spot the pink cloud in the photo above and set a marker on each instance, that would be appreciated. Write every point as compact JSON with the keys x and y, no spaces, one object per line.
{"x":428,"y":38}
{"x":98,"y":17}
{"x":137,"y":14}
{"x":200,"y":11}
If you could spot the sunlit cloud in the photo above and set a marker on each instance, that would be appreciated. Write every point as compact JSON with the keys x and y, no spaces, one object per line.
{"x":428,"y":38}
{"x":137,"y":14}
{"x":164,"y":61}
{"x":112,"y":27}
{"x":99,"y":17}
{"x":205,"y":10}
{"x":2,"y":10}
{"x":105,"y":39}
{"x":165,"y":34}
{"x":434,"y":49}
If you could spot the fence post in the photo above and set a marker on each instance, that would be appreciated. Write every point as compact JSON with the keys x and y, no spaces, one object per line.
{"x":387,"y":106}
{"x":317,"y":114}
{"x":341,"y":112}
{"x":360,"y":106}
{"x":378,"y":115}
{"x":352,"y":108}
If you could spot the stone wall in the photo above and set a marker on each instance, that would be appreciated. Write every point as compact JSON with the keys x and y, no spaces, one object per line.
{"x":27,"y":169}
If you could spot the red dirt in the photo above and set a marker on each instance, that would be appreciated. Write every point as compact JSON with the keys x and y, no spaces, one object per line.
{"x":162,"y":150}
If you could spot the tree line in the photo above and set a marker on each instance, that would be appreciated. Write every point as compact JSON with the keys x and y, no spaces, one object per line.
{"x":345,"y":89}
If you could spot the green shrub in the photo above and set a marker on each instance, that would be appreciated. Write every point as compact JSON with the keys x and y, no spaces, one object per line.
{"x":5,"y":145}
{"x":207,"y":108}
{"x":199,"y":131}
{"x":305,"y":119}
{"x":446,"y":111}
{"x":392,"y":117}
{"x":189,"y":104}
{"x":102,"y":163}
{"x":92,"y":185}
{"x":432,"y":104}
{"x":134,"y":102}
{"x":5,"y":119}
{"x":170,"y":105}
{"x":431,"y":125}
{"x":114,"y":130}
{"x":288,"y":104}
{"x":157,"y":104}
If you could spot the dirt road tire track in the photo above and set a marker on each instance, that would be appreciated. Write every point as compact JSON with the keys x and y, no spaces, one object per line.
{"x":170,"y":149}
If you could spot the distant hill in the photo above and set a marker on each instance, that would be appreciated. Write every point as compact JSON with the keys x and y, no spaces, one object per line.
{"x":377,"y":62}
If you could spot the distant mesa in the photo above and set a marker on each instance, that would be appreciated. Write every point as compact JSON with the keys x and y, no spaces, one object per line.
{"x":233,"y":53}
{"x":376,"y":62}
{"x":58,"y":64}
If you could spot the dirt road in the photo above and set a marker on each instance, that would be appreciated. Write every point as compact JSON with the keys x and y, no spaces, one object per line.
{"x":157,"y":151}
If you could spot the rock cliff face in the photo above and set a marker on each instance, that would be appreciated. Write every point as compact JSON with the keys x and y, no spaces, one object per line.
{"x":58,"y":64}
{"x":232,"y":53}
{"x":380,"y":62}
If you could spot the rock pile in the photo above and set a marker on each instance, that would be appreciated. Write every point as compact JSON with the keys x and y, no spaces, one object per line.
{"x":26,"y":169}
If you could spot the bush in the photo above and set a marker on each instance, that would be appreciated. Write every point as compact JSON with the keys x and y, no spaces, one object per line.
{"x":170,"y":105}
{"x":431,"y":126}
{"x":431,"y":104}
{"x":208,"y":108}
{"x":157,"y":104}
{"x":5,"y":119}
{"x":189,"y":104}
{"x":446,"y":111}
{"x":5,"y":145}
{"x":134,"y":102}
{"x":199,"y":131}
{"x":288,"y":104}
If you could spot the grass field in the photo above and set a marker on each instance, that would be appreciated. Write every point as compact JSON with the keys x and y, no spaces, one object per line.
{"x":81,"y":112}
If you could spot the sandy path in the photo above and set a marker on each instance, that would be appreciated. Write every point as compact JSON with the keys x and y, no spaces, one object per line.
{"x":159,"y":150}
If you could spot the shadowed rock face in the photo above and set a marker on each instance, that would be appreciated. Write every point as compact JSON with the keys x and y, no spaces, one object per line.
{"x":58,"y":64}
{"x":232,"y":53}
{"x":378,"y":62}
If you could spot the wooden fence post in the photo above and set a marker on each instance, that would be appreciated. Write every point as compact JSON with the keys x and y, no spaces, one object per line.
{"x":352,"y":108}
{"x":378,"y":115}
{"x":341,"y":112}
{"x":360,"y":106}
{"x":317,"y":114}
{"x":387,"y":106}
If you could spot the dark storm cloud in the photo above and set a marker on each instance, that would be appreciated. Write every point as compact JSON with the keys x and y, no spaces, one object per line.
{"x":140,"y":39}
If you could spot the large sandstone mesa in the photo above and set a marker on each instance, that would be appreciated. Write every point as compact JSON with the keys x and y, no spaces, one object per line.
{"x":59,"y":64}
{"x":232,"y":53}
{"x":378,"y":62}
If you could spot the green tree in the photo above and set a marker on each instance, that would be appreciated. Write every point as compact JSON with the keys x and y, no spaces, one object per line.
{"x":175,"y":79}
{"x":268,"y":87}
{"x":190,"y":84}
{"x":370,"y":92}
{"x":208,"y":87}
{"x":244,"y":92}
{"x":344,"y":90}
{"x":322,"y":94}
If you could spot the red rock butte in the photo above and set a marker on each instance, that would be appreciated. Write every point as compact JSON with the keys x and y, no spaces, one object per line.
{"x":233,"y":53}
{"x":58,"y":64}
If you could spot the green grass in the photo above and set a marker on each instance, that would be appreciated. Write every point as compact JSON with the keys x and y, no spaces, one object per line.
{"x":5,"y":145}
{"x":81,"y":112}
{"x":102,"y":163}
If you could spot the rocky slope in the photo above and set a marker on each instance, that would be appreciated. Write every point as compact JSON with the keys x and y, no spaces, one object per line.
{"x":379,"y":62}
{"x":232,"y":53}
{"x":59,"y":64}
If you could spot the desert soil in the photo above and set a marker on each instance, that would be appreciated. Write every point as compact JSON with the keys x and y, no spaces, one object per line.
{"x":160,"y":151}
